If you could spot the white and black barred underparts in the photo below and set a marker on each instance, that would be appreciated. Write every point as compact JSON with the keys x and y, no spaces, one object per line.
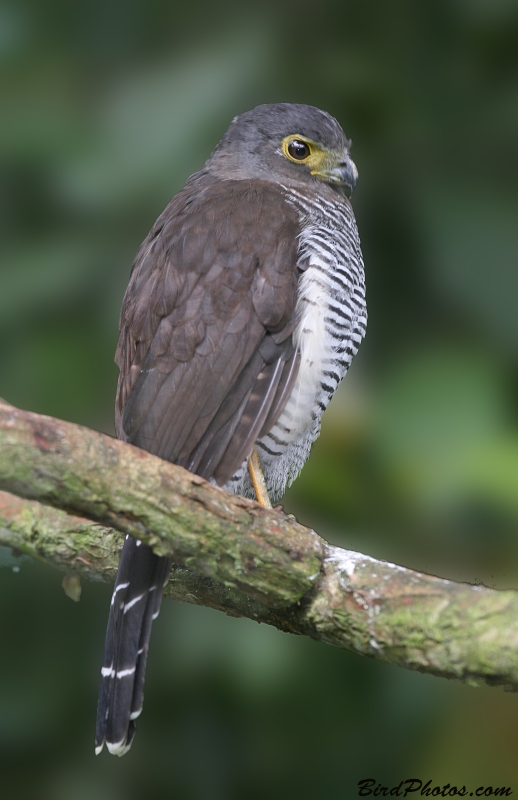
{"x":333,"y":318}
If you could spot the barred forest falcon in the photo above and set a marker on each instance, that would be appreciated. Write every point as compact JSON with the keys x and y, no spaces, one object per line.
{"x":244,"y":310}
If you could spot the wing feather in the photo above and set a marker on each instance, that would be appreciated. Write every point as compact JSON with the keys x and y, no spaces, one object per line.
{"x":205,"y":350}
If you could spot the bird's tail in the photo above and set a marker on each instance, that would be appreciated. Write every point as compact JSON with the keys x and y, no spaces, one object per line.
{"x":135,"y":603}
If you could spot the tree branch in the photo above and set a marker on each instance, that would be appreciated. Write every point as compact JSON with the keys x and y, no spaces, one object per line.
{"x":69,"y":494}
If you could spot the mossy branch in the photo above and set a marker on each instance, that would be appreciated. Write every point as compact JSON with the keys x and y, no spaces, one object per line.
{"x":70,"y":493}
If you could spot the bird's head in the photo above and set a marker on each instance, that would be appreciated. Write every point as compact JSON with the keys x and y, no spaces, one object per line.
{"x":286,"y":143}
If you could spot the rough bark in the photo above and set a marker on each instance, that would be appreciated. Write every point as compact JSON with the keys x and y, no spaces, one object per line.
{"x":70,"y":493}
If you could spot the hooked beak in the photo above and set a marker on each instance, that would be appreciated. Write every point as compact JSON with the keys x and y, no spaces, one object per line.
{"x":344,"y":175}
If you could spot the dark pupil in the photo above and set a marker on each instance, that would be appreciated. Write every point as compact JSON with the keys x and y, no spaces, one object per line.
{"x":298,"y":149}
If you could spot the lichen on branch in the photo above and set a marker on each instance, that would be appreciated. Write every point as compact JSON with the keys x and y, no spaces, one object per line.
{"x":70,"y":493}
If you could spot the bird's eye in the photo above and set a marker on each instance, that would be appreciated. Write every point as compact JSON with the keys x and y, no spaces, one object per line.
{"x":298,"y":150}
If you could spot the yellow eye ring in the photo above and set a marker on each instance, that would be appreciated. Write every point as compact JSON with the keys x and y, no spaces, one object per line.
{"x":296,"y":149}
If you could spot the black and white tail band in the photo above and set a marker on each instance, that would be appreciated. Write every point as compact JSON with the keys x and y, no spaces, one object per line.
{"x":135,"y":603}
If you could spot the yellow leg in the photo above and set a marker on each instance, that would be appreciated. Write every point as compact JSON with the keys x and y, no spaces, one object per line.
{"x":259,"y":483}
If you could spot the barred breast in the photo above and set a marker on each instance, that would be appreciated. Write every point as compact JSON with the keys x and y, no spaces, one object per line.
{"x":333,"y":318}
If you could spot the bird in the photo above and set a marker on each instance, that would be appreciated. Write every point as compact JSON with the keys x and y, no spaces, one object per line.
{"x":244,"y":309}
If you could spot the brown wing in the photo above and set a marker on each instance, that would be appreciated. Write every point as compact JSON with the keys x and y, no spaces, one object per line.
{"x":205,"y":350}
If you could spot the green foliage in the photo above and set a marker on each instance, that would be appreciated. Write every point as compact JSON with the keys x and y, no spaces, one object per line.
{"x":106,"y":109}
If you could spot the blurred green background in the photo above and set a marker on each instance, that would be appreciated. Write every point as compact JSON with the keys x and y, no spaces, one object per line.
{"x":106,"y":108}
